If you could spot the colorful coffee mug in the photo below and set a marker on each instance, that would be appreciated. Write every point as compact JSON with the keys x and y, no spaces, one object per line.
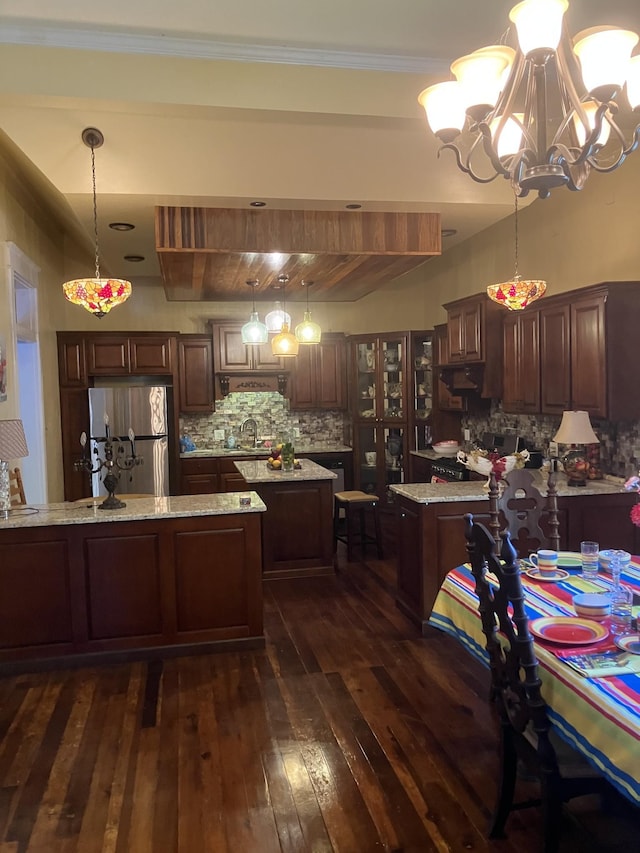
{"x":546,"y":562}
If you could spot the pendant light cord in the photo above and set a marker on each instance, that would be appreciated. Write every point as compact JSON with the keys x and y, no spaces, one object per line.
{"x":95,"y":210}
{"x":516,"y":276}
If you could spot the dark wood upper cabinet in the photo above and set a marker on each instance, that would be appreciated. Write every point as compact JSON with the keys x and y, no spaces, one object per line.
{"x":445,"y":400}
{"x":72,"y":364}
{"x":555,"y":358}
{"x":142,"y":354}
{"x":587,"y":349}
{"x":232,"y":356}
{"x":465,"y":320}
{"x":474,"y":332}
{"x":318,"y":378}
{"x":195,"y":373}
{"x":521,"y":359}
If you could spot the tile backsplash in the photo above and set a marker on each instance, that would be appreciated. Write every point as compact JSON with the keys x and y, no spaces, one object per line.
{"x":318,"y":427}
{"x":619,"y":442}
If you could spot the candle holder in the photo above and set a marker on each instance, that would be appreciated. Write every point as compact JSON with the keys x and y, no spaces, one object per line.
{"x":114,"y":463}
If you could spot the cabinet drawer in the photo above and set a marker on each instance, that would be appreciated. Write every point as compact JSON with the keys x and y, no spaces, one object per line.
{"x":204,"y":465}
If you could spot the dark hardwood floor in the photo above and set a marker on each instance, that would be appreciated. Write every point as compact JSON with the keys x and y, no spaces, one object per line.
{"x":349,"y":732}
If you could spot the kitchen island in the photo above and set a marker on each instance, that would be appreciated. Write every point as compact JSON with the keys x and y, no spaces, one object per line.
{"x":297,"y":533}
{"x":431,"y":539}
{"x":162,"y":575}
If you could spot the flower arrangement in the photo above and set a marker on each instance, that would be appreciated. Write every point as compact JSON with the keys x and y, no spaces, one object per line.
{"x":485,"y":462}
{"x":633,"y":485}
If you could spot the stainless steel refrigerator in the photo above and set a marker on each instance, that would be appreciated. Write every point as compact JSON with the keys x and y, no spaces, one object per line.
{"x":142,"y":409}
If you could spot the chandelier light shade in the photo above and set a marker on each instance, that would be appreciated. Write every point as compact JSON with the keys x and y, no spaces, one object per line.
{"x":276,"y":318}
{"x":284,"y":344}
{"x":254,"y":332}
{"x":517,"y":293}
{"x":308,"y":332}
{"x":542,"y":113}
{"x":98,"y":295}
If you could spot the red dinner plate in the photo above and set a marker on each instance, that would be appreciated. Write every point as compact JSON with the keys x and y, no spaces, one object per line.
{"x":568,"y":630}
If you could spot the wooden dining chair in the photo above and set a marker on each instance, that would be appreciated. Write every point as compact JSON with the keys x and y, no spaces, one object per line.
{"x":16,"y":488}
{"x":521,"y":508}
{"x":526,"y":733}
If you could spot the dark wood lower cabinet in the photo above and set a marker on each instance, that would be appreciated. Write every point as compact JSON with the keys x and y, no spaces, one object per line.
{"x":297,"y":530}
{"x":123,"y":586}
{"x":431,"y":539}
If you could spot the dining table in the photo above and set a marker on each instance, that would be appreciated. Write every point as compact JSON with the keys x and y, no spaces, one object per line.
{"x":597,"y":713}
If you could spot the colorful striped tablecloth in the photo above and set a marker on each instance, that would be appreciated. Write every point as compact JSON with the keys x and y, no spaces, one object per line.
{"x":599,"y":716}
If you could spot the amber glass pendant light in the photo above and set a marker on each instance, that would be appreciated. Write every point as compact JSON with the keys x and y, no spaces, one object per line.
{"x":97,"y":295}
{"x":254,"y":332}
{"x":308,"y":332}
{"x":284,"y":344}
{"x":517,"y":293}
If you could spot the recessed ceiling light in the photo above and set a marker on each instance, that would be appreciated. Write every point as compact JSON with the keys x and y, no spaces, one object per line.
{"x":449,"y":232}
{"x":258,"y":204}
{"x":121,"y":226}
{"x":135,"y":259}
{"x":353,"y":206}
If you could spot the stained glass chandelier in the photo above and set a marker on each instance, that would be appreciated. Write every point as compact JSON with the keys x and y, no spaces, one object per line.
{"x":517,"y":293}
{"x":98,"y":295}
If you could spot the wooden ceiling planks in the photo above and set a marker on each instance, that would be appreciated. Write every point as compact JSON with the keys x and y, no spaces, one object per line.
{"x":209,"y":253}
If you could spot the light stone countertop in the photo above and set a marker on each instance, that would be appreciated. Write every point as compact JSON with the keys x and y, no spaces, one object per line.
{"x":473,"y":490}
{"x":137,"y":509}
{"x":257,"y":472}
{"x":217,"y":452}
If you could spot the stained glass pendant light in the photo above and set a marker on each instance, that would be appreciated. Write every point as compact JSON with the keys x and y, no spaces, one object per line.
{"x":254,"y":332}
{"x":284,"y":344}
{"x":308,"y":332}
{"x":97,"y":295}
{"x":517,"y":293}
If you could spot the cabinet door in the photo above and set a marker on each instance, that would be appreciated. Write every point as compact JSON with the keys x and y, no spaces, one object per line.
{"x":231,"y":353}
{"x":108,"y":356}
{"x":521,"y":371}
{"x":150,"y":355}
{"x":588,"y":356}
{"x":72,"y":367}
{"x":529,"y":361}
{"x":195,"y":369}
{"x":455,"y":335}
{"x":199,"y":484}
{"x":264,"y":359}
{"x":74,"y":420}
{"x":444,"y":399}
{"x":472,"y":316}
{"x":511,"y":365}
{"x":330,"y":372}
{"x":364,"y":388}
{"x":303,"y":384}
{"x":393,"y":367}
{"x":555,"y":355}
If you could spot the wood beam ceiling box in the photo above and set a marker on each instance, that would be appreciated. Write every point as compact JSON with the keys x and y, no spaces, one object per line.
{"x":209,"y":253}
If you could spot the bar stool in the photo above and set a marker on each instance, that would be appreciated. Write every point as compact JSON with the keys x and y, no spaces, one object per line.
{"x":355,"y":503}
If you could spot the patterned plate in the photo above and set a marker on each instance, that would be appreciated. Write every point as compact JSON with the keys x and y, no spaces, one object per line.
{"x":568,"y":631}
{"x":569,"y":560}
{"x":536,"y":575}
{"x":629,"y":643}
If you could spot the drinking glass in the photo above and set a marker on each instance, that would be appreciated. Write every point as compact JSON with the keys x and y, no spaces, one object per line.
{"x":589,"y":555}
{"x":621,"y":597}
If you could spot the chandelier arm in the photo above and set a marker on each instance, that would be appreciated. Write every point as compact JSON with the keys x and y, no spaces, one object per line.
{"x":467,"y":168}
{"x":622,"y":157}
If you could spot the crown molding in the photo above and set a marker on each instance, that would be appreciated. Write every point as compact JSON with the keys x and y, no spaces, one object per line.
{"x":22,"y":32}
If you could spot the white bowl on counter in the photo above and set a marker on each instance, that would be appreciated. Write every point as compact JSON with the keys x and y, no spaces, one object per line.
{"x":446,"y":448}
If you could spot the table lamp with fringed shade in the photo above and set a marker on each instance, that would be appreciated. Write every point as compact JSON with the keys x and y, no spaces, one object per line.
{"x":576,"y":430}
{"x":13,"y":445}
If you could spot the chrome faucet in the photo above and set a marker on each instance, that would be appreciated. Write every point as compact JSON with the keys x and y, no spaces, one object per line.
{"x":250,"y":425}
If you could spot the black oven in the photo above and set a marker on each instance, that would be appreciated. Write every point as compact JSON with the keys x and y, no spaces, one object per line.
{"x":449,"y":470}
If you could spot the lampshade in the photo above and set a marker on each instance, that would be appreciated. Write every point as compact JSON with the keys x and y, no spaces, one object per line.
{"x":97,"y":295}
{"x":575,"y":428}
{"x":308,"y":332}
{"x":254,"y":332}
{"x":481,"y":75}
{"x":285,"y":344}
{"x":13,"y":444}
{"x":604,"y":55}
{"x":276,"y":318}
{"x":539,"y":24}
